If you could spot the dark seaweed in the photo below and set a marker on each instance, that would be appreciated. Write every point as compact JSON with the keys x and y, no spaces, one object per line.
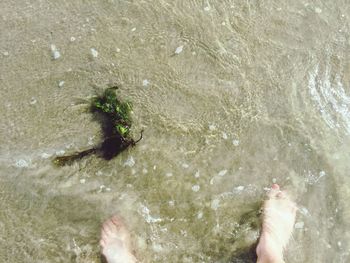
{"x":115,"y":119}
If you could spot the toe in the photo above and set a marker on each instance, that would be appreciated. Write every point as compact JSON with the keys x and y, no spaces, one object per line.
{"x":109,"y":230}
{"x":117,"y":221}
{"x":275,"y":189}
{"x":106,"y":230}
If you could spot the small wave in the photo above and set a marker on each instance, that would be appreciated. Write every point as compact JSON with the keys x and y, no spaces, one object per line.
{"x":330,"y":98}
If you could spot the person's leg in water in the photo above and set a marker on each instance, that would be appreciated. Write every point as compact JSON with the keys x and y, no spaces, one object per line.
{"x":278,"y":222}
{"x":115,"y":242}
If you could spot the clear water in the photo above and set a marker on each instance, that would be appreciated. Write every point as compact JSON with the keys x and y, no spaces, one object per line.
{"x":232,"y":95}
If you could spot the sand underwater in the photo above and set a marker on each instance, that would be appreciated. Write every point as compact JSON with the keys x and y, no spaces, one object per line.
{"x":232,"y":96}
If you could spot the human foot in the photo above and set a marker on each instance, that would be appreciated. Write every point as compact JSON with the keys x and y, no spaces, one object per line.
{"x":278,"y":221}
{"x":115,"y":242}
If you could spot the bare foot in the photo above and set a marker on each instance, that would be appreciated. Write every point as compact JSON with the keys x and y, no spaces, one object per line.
{"x":278,"y":221}
{"x":115,"y":242}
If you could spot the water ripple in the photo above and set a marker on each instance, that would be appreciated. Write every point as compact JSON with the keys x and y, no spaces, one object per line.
{"x":330,"y":97}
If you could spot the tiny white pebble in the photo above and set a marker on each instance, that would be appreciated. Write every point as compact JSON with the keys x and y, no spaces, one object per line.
{"x":239,"y":188}
{"x":133,"y":29}
{"x":185,"y":165}
{"x":299,"y":225}
{"x":289,"y":144}
{"x":129,"y":162}
{"x":55,"y":53}
{"x":200,"y":215}
{"x":318,"y":10}
{"x":171,"y":203}
{"x":207,"y":8}
{"x":222,"y":172}
{"x":145,"y":82}
{"x":195,"y":188}
{"x":108,"y":189}
{"x":322,"y":173}
{"x":211,"y":181}
{"x":274,"y":180}
{"x":6,"y":53}
{"x":339,"y":244}
{"x":169,"y":174}
{"x":193,"y":53}
{"x":118,"y":50}
{"x":61,"y":83}
{"x":224,"y":136}
{"x":212,"y":127}
{"x":101,"y":188}
{"x":304,"y":211}
{"x":342,"y":15}
{"x":223,"y":23}
{"x":45,"y":155}
{"x":82,"y":181}
{"x":33,"y":101}
{"x":144,"y":171}
{"x":235,"y":142}
{"x":60,"y":152}
{"x":91,"y":140}
{"x":179,"y":49}
{"x":72,"y":39}
{"x":94,"y":52}
{"x":99,"y":173}
{"x":22,"y":163}
{"x":196,"y":174}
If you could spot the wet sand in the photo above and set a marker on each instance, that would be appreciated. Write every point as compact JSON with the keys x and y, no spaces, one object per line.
{"x":233,"y":96}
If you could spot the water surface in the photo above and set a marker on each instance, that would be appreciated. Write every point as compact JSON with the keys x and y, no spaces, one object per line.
{"x":232,"y":95}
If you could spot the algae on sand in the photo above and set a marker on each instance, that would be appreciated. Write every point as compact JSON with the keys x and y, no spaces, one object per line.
{"x":115,"y":118}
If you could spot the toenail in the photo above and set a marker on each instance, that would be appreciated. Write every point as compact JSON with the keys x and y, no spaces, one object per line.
{"x":275,"y":186}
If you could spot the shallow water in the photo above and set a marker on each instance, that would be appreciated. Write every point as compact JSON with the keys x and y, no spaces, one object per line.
{"x":232,"y":96}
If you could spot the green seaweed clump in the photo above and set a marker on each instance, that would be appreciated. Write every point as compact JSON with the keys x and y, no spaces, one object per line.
{"x":117,"y":111}
{"x":115,"y":118}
